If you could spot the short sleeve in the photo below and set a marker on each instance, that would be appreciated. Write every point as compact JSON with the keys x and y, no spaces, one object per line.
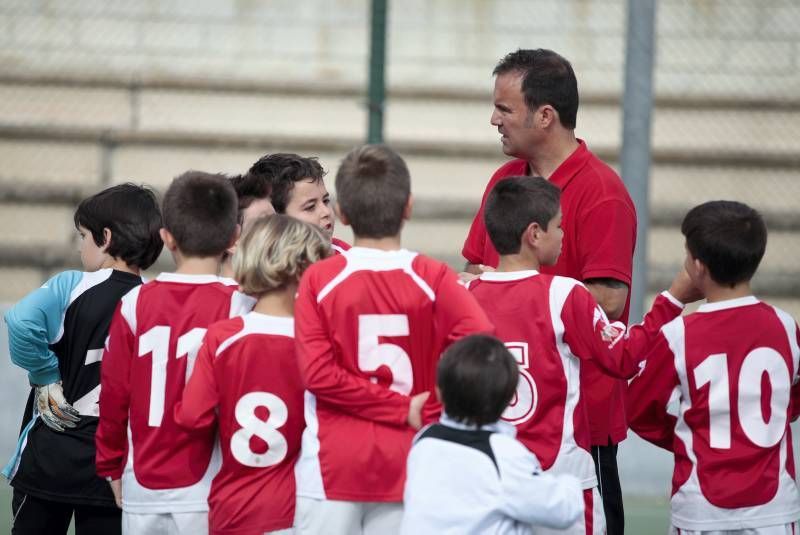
{"x":608,"y":239}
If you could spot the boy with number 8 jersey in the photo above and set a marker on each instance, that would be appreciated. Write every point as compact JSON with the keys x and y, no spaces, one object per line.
{"x":553,"y":326}
{"x":156,"y":332}
{"x":370,"y":326}
{"x":720,"y":387}
{"x":246,"y":380}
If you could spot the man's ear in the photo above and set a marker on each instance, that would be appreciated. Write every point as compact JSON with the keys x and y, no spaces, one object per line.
{"x":340,"y":215}
{"x":547,"y":115}
{"x":168,"y":239}
{"x":408,"y":208}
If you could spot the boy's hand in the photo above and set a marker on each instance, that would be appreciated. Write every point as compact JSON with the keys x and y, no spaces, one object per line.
{"x":415,"y":409}
{"x":116,"y":489}
{"x":54,"y":410}
{"x":683,"y":289}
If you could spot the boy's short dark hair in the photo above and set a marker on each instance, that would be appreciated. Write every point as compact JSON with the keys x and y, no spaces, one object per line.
{"x":249,"y":188}
{"x":547,"y":78}
{"x":477,"y":377}
{"x":132,"y":215}
{"x":728,"y":237}
{"x":373,"y":186}
{"x":513,"y":204}
{"x":282,"y":170}
{"x":200,"y":212}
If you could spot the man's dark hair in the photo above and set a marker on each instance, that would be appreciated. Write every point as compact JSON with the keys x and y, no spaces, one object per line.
{"x":200,"y":211}
{"x":372,"y":188}
{"x":249,"y":188}
{"x":131,"y":213}
{"x":477,"y":377}
{"x":282,"y":170}
{"x":547,"y":78}
{"x":513,"y":204}
{"x":728,"y":237}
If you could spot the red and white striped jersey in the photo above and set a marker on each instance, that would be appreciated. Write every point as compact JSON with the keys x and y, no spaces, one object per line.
{"x":339,"y":246}
{"x":246,"y":381}
{"x":154,"y":338}
{"x":370,"y":326}
{"x":717,"y":389}
{"x":551,"y":324}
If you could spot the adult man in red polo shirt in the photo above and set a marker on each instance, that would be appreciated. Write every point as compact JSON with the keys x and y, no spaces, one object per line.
{"x":535,"y":108}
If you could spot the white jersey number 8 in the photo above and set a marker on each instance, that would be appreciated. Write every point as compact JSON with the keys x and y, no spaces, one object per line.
{"x":267,"y":431}
{"x":714,"y":372}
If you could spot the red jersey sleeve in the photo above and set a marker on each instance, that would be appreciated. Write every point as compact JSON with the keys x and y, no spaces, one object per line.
{"x":649,"y":395}
{"x":111,"y":439}
{"x":590,"y":334}
{"x":605,"y":249}
{"x":795,"y":399}
{"x":327,"y":379}
{"x":476,"y":239}
{"x":197,"y":407}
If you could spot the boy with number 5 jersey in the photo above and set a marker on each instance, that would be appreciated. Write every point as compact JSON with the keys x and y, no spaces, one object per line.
{"x":156,"y":332}
{"x":553,"y":326}
{"x":720,"y":387}
{"x":246,"y":381}
{"x":370,"y":326}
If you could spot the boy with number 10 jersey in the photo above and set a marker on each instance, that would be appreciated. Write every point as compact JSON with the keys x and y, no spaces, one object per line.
{"x":720,"y":387}
{"x":370,"y":326}
{"x":153,"y":341}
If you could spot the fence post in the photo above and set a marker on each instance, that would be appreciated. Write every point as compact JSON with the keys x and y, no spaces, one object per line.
{"x":635,"y":159}
{"x":377,"y":61}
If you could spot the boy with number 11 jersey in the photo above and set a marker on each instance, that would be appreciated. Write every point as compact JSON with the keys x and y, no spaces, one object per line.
{"x":156,"y":332}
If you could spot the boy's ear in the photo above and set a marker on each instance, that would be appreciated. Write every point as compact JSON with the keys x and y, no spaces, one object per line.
{"x":340,"y":215}
{"x":408,"y":208}
{"x":532,"y":234}
{"x":106,"y":238}
{"x":236,"y":234}
{"x":438,"y":393}
{"x":168,"y":239}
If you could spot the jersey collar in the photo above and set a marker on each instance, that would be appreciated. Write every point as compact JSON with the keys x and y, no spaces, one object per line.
{"x":728,"y":303}
{"x":495,"y":427}
{"x":507,"y":276}
{"x":570,"y":167}
{"x":189,"y":279}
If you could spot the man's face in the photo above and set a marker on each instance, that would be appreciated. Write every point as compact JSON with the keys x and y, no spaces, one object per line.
{"x":511,"y":116}
{"x":309,"y":201}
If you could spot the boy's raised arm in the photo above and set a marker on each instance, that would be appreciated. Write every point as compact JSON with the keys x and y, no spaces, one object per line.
{"x":328,"y":380}
{"x":650,"y":393}
{"x":111,"y":439}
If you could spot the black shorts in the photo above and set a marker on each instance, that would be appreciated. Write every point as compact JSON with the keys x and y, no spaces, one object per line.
{"x":35,"y":516}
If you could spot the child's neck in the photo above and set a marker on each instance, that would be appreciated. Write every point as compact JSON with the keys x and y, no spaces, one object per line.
{"x":197,"y":265}
{"x":715,"y":292}
{"x":517,"y":262}
{"x":120,"y":265}
{"x":226,"y":269}
{"x":389,"y":243}
{"x":278,"y":302}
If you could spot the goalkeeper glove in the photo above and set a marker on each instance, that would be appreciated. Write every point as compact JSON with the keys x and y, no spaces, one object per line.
{"x":56,"y":413}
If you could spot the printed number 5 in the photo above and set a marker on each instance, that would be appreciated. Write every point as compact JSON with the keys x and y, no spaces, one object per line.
{"x":372,"y":354}
{"x":523,"y":405}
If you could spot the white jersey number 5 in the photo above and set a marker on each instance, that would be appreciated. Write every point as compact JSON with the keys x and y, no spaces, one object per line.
{"x":372,"y":354}
{"x":523,"y":405}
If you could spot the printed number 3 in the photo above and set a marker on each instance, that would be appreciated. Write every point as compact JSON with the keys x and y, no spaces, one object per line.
{"x":372,"y":354}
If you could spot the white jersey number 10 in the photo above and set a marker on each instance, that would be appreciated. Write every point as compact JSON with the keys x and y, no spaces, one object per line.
{"x":713,"y":371}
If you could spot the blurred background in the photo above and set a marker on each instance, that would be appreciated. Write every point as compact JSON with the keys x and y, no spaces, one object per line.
{"x":98,"y":92}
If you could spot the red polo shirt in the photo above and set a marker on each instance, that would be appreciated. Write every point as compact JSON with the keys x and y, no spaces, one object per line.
{"x":599,"y":222}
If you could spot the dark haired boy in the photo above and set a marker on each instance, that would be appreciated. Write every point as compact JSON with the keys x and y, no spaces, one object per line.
{"x":467,"y":473}
{"x":57,"y":333}
{"x":156,"y":332}
{"x":720,"y":387}
{"x":535,"y":112}
{"x":253,"y":195}
{"x":298,"y":190}
{"x":370,"y":326}
{"x":553,"y":326}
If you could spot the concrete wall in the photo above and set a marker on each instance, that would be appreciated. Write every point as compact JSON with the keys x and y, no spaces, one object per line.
{"x":741,"y":47}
